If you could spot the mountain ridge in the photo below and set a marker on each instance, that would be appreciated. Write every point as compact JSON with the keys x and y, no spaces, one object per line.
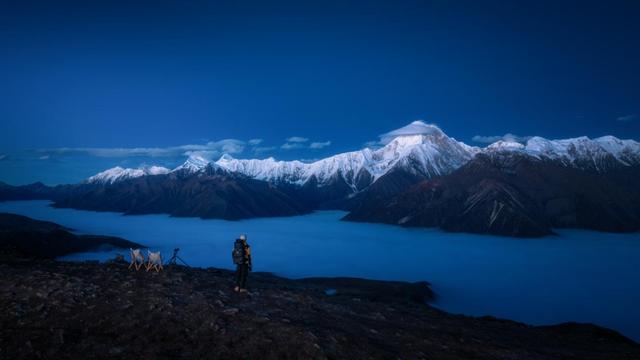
{"x":518,"y":189}
{"x":71,"y":309}
{"x":512,"y":195}
{"x":420,"y":148}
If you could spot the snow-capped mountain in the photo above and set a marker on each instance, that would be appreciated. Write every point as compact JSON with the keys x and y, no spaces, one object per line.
{"x":497,"y":189}
{"x":193,"y":164}
{"x":424,"y":151}
{"x":266,"y":169}
{"x":418,"y":148}
{"x":600,"y":154}
{"x":504,"y":146}
{"x":119,"y":173}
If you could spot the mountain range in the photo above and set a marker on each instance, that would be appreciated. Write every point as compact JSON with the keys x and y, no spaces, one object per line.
{"x":418,"y":176}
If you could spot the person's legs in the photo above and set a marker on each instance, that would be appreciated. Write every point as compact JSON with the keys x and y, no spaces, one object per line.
{"x":245,"y":274}
{"x":238,"y":277}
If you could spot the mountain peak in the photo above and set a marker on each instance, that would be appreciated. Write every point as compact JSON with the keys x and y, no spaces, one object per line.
{"x":118,"y":173}
{"x":195,"y":162}
{"x":226,"y":157}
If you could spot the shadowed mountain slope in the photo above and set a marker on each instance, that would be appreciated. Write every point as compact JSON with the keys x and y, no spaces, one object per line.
{"x":515,"y":195}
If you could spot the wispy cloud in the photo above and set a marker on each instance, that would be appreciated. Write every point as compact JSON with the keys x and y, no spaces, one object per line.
{"x":417,"y":127}
{"x":319,"y":145}
{"x":206,"y":154}
{"x":44,"y":157}
{"x":506,"y":137}
{"x":626,"y":118}
{"x":291,"y":145}
{"x":4,"y":157}
{"x":294,"y":142}
{"x":231,"y":146}
{"x":254,"y":142}
{"x":297,"y":139}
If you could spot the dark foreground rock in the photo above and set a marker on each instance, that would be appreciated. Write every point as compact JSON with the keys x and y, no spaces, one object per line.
{"x":61,"y":310}
{"x":43,"y":239}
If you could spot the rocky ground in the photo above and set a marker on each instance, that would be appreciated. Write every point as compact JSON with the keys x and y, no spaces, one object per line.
{"x":61,"y":310}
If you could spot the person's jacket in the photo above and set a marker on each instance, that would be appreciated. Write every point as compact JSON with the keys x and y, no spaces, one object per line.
{"x":247,"y":255}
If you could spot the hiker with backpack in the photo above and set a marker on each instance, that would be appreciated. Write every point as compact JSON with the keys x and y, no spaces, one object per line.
{"x":241,"y":255}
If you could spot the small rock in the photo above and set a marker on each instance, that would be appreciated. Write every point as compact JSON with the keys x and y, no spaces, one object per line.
{"x":330,"y":292}
{"x":231,"y":311}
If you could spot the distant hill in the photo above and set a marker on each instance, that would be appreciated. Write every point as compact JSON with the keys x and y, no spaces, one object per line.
{"x":43,"y":239}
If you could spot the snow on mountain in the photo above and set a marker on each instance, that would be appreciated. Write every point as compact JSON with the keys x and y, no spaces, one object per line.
{"x":419,"y":148}
{"x":503,"y":145}
{"x":119,"y":173}
{"x":429,"y":152}
{"x":600,"y":154}
{"x":156,"y":170}
{"x":297,"y":172}
{"x":267,"y":169}
{"x":626,"y":151}
{"x":194,"y":163}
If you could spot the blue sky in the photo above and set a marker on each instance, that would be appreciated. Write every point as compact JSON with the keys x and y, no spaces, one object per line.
{"x":90,"y":85}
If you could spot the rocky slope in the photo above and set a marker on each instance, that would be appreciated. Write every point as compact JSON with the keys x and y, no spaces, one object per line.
{"x":60,"y":310}
{"x":209,"y":193}
{"x":514,"y":195}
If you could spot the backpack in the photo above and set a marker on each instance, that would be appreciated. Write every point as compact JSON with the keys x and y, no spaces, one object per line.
{"x":238,"y":252}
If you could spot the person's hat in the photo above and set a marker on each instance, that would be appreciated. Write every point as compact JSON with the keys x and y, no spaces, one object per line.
{"x":243,"y":237}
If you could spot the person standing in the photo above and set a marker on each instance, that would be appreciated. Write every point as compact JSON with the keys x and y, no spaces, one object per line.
{"x":241,"y":255}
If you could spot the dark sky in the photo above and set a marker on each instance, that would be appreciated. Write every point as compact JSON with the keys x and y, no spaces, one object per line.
{"x":111,"y":74}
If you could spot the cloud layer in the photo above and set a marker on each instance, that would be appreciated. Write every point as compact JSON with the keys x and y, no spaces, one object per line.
{"x":299,"y":142}
{"x":626,"y":118}
{"x":230,"y":146}
{"x":417,"y":127}
{"x":291,"y":145}
{"x":319,"y":145}
{"x":297,"y":139}
{"x":506,"y":137}
{"x":209,"y":149}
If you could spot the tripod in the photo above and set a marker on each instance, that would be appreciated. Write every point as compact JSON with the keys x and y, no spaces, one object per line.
{"x":175,"y":258}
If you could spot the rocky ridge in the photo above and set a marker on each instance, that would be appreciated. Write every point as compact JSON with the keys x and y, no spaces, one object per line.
{"x":62,"y":310}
